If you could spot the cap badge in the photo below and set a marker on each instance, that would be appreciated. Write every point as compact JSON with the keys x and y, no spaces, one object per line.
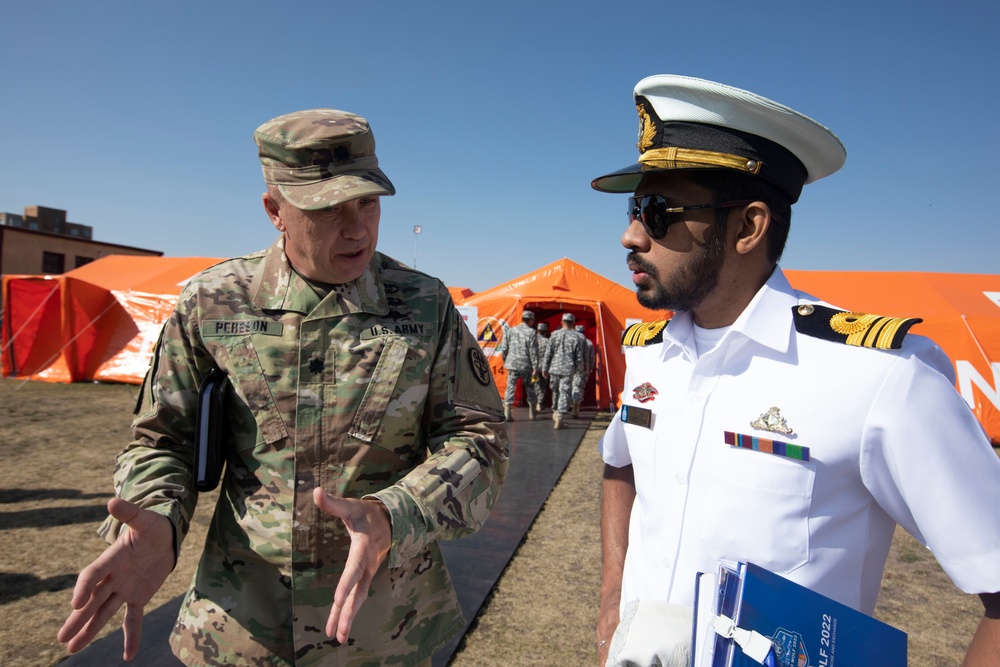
{"x":644,"y":393}
{"x":772,"y":421}
{"x":646,"y":129}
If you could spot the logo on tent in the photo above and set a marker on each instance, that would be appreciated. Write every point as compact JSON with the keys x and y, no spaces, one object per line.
{"x":488,"y":335}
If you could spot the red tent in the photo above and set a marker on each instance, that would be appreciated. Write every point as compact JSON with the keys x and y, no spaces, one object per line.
{"x":602,"y":306}
{"x":97,"y":322}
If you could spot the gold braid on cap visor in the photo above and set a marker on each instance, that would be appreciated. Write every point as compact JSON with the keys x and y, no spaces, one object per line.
{"x":690,"y":158}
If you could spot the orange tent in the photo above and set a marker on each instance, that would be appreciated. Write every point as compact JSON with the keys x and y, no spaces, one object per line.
{"x":460,"y":294}
{"x":97,"y":322}
{"x":602,"y":306}
{"x":960,"y":312}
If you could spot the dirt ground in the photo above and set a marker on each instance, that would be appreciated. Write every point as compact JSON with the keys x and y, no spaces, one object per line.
{"x":58,"y":453}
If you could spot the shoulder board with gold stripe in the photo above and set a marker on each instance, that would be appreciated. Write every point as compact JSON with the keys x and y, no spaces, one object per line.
{"x":860,"y":329}
{"x":644,"y":333}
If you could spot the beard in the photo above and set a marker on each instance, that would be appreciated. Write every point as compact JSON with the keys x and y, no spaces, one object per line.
{"x":688,"y":285}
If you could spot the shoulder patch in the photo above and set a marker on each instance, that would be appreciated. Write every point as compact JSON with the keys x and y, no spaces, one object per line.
{"x":859,"y":329}
{"x":644,"y":333}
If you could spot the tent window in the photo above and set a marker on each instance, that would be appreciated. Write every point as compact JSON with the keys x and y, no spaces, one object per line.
{"x":53,"y":262}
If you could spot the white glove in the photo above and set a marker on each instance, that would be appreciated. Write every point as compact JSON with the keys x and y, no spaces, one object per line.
{"x":652,"y":633}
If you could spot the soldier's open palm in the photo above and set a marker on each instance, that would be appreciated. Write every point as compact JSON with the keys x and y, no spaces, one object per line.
{"x":129,"y":572}
{"x":370,"y":529}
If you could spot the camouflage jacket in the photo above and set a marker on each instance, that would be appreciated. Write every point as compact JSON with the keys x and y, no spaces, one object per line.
{"x":589,"y":356}
{"x":375,"y":390}
{"x":519,"y":348}
{"x":543,"y":346}
{"x":565,"y":353}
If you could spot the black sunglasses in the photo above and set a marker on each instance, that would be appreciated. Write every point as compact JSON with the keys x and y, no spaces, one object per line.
{"x":656,"y":214}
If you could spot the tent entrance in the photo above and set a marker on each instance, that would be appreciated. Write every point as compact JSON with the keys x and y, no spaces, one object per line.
{"x":551,"y":313}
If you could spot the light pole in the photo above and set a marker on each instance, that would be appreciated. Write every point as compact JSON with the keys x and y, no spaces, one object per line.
{"x":416,"y":232}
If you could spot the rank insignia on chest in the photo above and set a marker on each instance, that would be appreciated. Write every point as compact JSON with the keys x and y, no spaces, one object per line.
{"x":644,"y":393}
{"x":772,"y":421}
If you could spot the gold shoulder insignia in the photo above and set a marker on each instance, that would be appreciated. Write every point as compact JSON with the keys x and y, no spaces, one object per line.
{"x":644,"y":333}
{"x":860,"y":329}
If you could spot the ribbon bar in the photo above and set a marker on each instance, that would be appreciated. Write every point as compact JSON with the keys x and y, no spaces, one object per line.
{"x":775,"y":447}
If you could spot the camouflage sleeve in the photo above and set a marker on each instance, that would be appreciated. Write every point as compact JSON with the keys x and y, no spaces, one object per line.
{"x":155,"y":469}
{"x":451,"y":493}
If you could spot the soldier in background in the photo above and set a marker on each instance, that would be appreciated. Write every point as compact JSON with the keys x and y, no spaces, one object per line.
{"x":582,"y":376}
{"x":519,"y":349}
{"x":541,"y":382}
{"x":563,"y":358}
{"x":364,"y":426}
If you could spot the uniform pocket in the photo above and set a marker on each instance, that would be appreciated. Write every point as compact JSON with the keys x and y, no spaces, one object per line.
{"x":376,"y":406}
{"x":760,"y":509}
{"x":247,"y":375}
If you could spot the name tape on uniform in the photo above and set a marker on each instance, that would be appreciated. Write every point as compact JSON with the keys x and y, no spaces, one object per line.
{"x":633,"y":414}
{"x":241,"y":327}
{"x":398,"y":329}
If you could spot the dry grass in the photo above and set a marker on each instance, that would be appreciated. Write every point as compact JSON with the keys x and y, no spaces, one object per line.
{"x":59,"y":447}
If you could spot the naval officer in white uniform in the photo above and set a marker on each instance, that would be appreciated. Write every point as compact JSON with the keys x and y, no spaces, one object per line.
{"x":762,"y":424}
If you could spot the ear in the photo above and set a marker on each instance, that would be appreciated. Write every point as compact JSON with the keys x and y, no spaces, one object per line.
{"x":273,"y":211}
{"x":755,"y":220}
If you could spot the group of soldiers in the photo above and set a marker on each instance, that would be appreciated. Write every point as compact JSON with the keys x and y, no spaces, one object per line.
{"x":561,"y":362}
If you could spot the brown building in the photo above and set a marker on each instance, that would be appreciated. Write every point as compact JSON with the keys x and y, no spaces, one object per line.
{"x":42,"y":242}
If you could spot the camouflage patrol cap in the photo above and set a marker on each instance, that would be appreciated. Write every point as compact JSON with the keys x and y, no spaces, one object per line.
{"x":320,"y":157}
{"x":542,"y":326}
{"x":527,"y":315}
{"x":568,"y":317}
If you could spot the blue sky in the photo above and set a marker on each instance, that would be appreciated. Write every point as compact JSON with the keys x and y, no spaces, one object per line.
{"x":492,"y":118}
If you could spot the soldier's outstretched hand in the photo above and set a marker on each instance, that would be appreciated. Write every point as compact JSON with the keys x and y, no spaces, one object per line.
{"x":129,"y":572}
{"x":370,"y":529}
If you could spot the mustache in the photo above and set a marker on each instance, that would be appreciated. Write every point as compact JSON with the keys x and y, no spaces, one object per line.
{"x":637,"y":263}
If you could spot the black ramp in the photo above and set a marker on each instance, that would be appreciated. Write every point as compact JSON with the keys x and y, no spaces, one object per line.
{"x":539,"y":455}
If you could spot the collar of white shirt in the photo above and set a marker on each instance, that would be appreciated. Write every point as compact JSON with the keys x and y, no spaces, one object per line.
{"x":767,"y":319}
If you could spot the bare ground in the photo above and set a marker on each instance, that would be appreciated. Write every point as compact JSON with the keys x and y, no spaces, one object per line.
{"x":58,"y":453}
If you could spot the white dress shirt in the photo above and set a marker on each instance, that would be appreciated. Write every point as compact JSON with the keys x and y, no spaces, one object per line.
{"x":890,"y":441}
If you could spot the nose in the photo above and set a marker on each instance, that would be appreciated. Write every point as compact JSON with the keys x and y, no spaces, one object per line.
{"x":635,"y":236}
{"x":352,"y":223}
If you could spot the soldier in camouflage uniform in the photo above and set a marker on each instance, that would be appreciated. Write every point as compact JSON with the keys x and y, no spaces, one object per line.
{"x":541,"y":382}
{"x":582,"y":376}
{"x":563,"y":358}
{"x":519,"y":349}
{"x":364,"y":426}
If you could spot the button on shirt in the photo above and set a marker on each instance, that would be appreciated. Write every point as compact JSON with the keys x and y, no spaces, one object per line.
{"x":890,"y":441}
